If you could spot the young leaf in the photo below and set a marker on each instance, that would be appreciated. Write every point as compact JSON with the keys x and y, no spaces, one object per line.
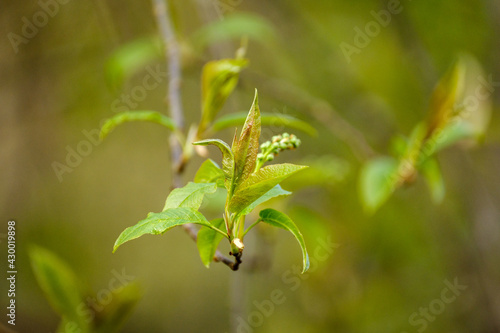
{"x":158,"y":223}
{"x":189,"y":196}
{"x":60,"y":285}
{"x":208,"y":240}
{"x":280,"y":220}
{"x":227,"y":159}
{"x":218,"y":80}
{"x":432,"y":174}
{"x":267,"y":119}
{"x":259,"y":183}
{"x":377,"y":182}
{"x":209,"y":172}
{"x":272,"y":193}
{"x":445,"y":96}
{"x":151,"y":116}
{"x":246,"y":147}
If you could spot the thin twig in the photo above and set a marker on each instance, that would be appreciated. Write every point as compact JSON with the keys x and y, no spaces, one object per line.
{"x":319,"y":109}
{"x":172,"y":58}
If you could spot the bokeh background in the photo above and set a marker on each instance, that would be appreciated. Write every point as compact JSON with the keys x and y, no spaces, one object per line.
{"x":383,"y":268}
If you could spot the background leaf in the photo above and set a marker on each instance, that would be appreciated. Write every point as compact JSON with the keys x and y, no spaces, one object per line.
{"x":189,"y":196}
{"x":267,"y":119}
{"x":130,"y":58}
{"x":377,"y":182}
{"x":119,"y":309}
{"x":59,"y":284}
{"x":158,"y":223}
{"x":280,"y":220}
{"x":218,"y":80}
{"x":259,"y":183}
{"x":233,"y":27}
{"x":151,"y":116}
{"x":208,"y":240}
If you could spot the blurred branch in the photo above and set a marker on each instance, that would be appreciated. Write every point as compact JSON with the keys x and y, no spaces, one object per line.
{"x":320,"y":109}
{"x":172,"y":58}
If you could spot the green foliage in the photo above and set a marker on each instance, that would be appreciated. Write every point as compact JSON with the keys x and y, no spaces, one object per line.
{"x":208,"y":240}
{"x":451,"y":118}
{"x":280,"y":220}
{"x":209,"y":172}
{"x":248,"y":185}
{"x":259,"y":183}
{"x":59,"y":283}
{"x":68,"y":297}
{"x":218,"y":80}
{"x":189,"y":196}
{"x":124,"y":117}
{"x":158,"y":223}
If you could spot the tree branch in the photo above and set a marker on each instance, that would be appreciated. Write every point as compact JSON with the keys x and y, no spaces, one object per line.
{"x":172,"y":58}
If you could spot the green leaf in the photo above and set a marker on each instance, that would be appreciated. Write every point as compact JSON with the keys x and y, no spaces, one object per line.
{"x":246,"y":147}
{"x":445,"y":96}
{"x":280,"y":220}
{"x":113,"y":316}
{"x":227,"y":158}
{"x":130,"y":58}
{"x":272,"y":193}
{"x":59,"y":284}
{"x":208,"y":240}
{"x":232,"y":27}
{"x":267,"y":119}
{"x":189,"y":196}
{"x":431,"y":172}
{"x":260,"y":183}
{"x":377,"y":182}
{"x":209,"y":172}
{"x":151,"y":116}
{"x":218,"y":80}
{"x":158,"y":223}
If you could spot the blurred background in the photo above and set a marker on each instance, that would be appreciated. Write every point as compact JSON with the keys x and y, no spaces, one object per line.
{"x":390,"y":271}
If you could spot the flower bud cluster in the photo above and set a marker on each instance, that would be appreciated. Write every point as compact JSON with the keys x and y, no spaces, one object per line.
{"x":279,"y":143}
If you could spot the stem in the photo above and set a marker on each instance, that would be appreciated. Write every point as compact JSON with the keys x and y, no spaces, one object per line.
{"x":177,"y":158}
{"x":250,"y":227}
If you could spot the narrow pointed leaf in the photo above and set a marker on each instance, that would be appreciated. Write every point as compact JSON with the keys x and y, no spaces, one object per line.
{"x":227,"y":158}
{"x":259,"y":183}
{"x":209,"y":172}
{"x":208,"y":240}
{"x":189,"y":196}
{"x":280,"y":220}
{"x":150,"y":116}
{"x":267,"y":119}
{"x":158,"y":223}
{"x":219,"y":78}
{"x":445,"y":96}
{"x":246,"y":147}
{"x":272,"y":193}
{"x":60,"y":285}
